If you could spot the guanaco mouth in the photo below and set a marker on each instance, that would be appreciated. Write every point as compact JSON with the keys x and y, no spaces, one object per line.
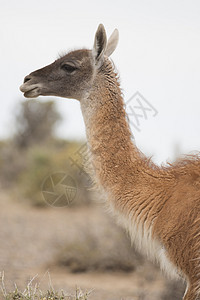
{"x":31,"y":91}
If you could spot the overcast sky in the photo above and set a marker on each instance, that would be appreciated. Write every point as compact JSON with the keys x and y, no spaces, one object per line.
{"x":158,"y":55}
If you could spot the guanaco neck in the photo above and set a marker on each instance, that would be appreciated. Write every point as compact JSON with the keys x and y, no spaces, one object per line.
{"x":133,"y":184}
{"x":115,"y":158}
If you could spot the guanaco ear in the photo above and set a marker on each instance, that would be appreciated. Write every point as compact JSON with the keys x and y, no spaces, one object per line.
{"x":112,"y":43}
{"x":99,"y":47}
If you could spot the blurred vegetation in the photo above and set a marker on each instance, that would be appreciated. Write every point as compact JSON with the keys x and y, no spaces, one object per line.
{"x":35,"y":152}
{"x":26,"y":160}
{"x":35,"y":122}
{"x":109,"y":250}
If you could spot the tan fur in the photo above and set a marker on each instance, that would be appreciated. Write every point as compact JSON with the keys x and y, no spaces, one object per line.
{"x":159,"y":206}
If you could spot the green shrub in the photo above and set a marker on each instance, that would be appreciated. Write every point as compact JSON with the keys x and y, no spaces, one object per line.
{"x":44,"y":161}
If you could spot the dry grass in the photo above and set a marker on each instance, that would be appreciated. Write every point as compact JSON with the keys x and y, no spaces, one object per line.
{"x":33,"y":292}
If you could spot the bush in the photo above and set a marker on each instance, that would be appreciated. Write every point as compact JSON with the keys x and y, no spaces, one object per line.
{"x":35,"y":122}
{"x":107,"y":249}
{"x":44,"y":162}
{"x":34,"y":154}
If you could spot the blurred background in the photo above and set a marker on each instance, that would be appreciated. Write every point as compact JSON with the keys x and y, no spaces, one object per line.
{"x":49,"y":217}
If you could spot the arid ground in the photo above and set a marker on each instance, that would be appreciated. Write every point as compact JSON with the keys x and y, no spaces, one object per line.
{"x":32,"y":241}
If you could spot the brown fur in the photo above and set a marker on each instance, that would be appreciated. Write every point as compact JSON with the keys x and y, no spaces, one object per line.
{"x":165,"y":200}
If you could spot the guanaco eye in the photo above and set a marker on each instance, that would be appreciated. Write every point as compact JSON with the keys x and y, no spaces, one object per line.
{"x":68,"y":68}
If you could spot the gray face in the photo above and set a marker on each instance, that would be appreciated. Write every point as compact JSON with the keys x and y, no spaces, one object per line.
{"x":69,"y":77}
{"x":72,"y":75}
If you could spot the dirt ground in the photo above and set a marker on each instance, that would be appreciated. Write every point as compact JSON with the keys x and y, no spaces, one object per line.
{"x":30,"y":239}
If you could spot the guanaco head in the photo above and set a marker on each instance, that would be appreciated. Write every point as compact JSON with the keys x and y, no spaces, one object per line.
{"x":72,"y":75}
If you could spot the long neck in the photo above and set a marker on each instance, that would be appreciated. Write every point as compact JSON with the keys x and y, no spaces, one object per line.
{"x":136,"y":188}
{"x":114,"y":156}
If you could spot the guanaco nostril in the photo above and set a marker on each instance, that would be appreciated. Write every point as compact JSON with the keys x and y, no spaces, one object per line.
{"x":27,"y":78}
